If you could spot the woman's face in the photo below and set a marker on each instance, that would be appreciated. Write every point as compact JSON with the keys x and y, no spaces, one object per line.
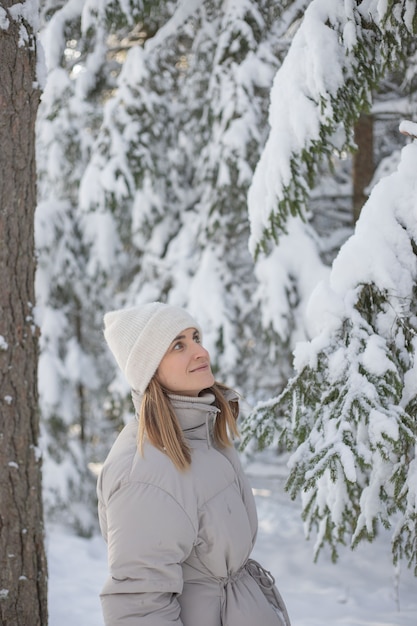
{"x":185,"y":369}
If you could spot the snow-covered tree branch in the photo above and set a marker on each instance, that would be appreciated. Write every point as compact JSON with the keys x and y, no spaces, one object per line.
{"x":313,"y":110}
{"x":348,"y":414}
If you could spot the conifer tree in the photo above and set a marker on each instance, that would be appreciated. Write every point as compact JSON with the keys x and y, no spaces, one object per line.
{"x":348,"y":422}
{"x":69,"y":294}
{"x":348,"y":414}
{"x":312,"y":116}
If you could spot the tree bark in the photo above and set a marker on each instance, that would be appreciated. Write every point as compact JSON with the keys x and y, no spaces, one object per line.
{"x":23,"y":571}
{"x":363,"y":162}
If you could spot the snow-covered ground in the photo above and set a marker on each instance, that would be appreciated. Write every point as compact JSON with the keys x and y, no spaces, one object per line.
{"x":362,"y":589}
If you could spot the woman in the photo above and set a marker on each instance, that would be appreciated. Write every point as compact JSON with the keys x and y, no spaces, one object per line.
{"x":175,"y":508}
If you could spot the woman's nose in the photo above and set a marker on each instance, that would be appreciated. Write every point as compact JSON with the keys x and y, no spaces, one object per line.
{"x":200,"y":351}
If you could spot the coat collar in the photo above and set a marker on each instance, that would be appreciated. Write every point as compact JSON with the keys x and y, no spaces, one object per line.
{"x":196,"y":415}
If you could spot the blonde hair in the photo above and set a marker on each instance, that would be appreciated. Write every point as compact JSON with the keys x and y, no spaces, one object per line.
{"x":159,"y":424}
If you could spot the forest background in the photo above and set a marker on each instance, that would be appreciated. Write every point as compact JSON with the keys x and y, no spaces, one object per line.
{"x":217,"y":155}
{"x":152,"y":133}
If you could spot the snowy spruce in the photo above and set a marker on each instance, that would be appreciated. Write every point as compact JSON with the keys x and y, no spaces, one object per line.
{"x":349,"y":411}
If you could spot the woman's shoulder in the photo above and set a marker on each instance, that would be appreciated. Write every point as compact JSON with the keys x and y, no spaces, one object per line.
{"x":123,"y":450}
{"x":125,"y":464}
{"x":143,"y":486}
{"x":124,"y":460}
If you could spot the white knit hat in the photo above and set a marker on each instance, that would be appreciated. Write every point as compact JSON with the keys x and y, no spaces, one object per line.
{"x":140,"y":336}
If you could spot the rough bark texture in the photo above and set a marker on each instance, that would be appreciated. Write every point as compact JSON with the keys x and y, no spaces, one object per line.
{"x":363,"y":162}
{"x":23,"y":575}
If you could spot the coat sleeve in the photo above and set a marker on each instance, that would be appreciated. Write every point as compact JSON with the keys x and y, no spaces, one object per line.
{"x":149,"y":535}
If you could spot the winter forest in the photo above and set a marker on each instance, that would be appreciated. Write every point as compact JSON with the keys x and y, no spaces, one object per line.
{"x":253,"y":161}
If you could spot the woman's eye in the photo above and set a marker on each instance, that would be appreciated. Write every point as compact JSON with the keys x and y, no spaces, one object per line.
{"x":178,"y":346}
{"x":197,"y":338}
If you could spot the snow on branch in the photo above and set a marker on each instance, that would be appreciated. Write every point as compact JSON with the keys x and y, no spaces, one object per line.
{"x":335,"y":60}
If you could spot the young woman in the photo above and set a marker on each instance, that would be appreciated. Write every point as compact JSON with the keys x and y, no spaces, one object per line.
{"x":175,"y":508}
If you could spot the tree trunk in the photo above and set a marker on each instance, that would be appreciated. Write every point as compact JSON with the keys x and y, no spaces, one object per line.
{"x":363,"y":162}
{"x":23,"y":572}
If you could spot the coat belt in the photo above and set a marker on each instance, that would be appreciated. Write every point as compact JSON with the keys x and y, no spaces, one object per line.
{"x":265,"y":581}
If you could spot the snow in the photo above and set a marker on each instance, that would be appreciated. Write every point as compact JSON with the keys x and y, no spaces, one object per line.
{"x":4,"y":21}
{"x":184,"y":10}
{"x":275,"y":274}
{"x":26,"y":12}
{"x":408,"y":128}
{"x":301,"y":82}
{"x":362,"y":589}
{"x":52,"y":36}
{"x":378,"y":253}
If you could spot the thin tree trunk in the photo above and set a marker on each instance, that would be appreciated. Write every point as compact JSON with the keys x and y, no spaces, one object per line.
{"x":23,"y":571}
{"x":363,"y":162}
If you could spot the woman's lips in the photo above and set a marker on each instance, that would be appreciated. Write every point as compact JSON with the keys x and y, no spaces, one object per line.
{"x":200,"y":368}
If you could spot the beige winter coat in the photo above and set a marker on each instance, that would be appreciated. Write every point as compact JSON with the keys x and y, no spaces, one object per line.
{"x":179,"y":542}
